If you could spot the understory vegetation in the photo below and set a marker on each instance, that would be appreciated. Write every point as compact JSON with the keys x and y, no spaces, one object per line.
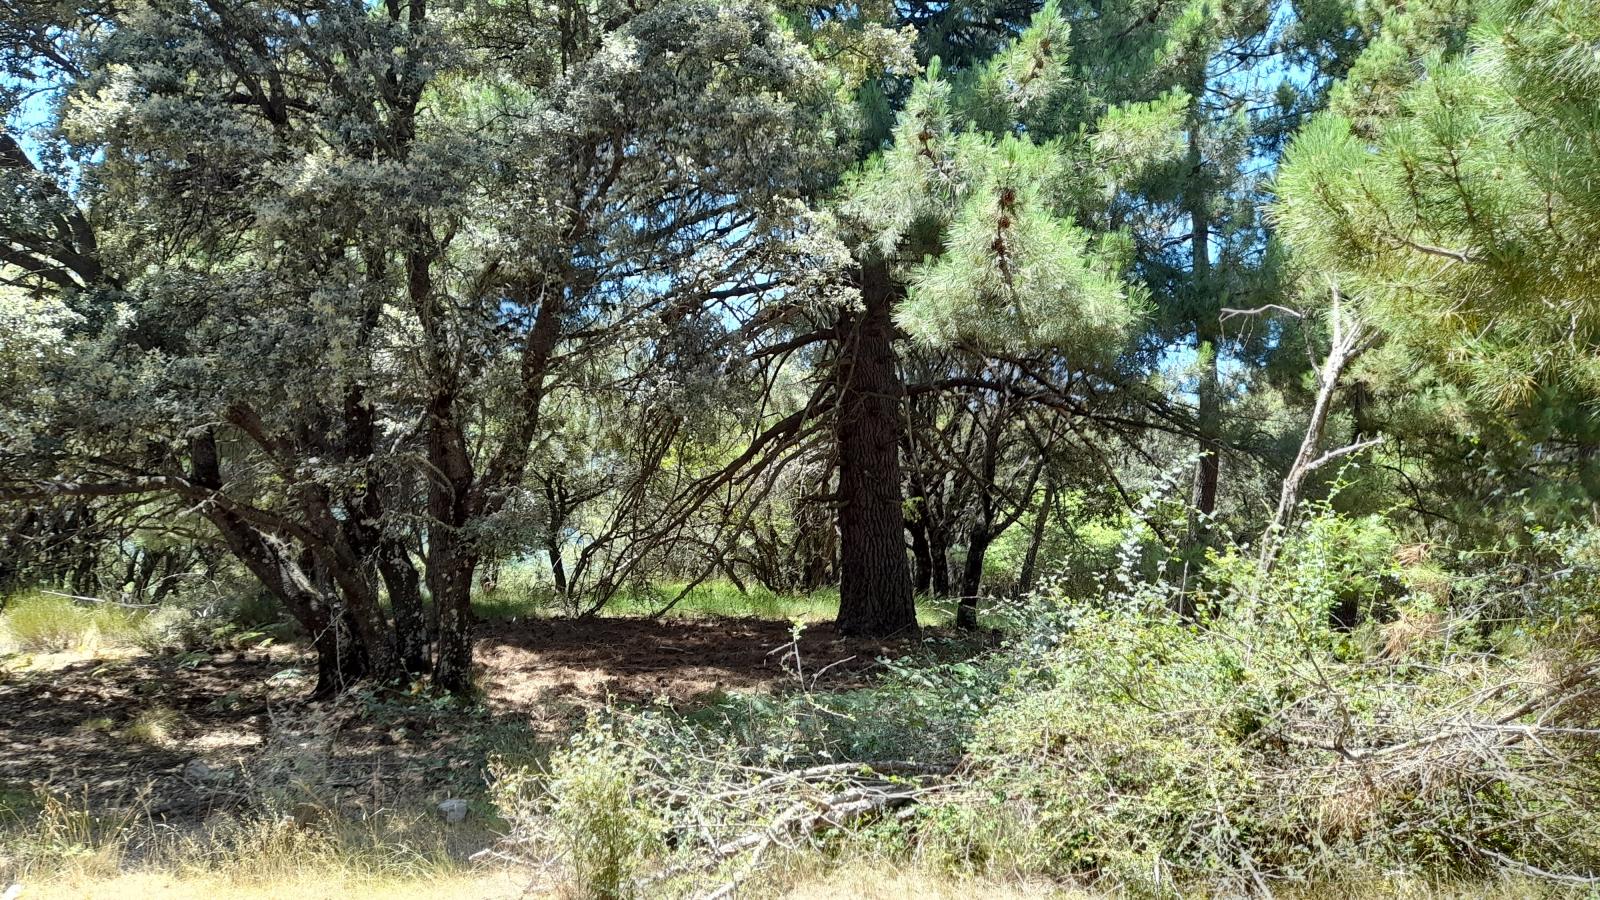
{"x":766,"y":448}
{"x":1368,"y":712}
{"x":1449,"y":734}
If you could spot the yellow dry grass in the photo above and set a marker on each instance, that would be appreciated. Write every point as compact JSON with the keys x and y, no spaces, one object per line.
{"x":305,"y":886}
{"x":863,"y":883}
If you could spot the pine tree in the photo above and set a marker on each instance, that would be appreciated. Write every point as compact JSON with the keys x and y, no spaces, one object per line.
{"x":971,"y":217}
{"x":1462,"y":210}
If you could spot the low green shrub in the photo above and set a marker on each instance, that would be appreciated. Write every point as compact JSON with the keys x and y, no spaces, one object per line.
{"x":1272,"y":743}
{"x":217,"y":617}
{"x":590,"y":809}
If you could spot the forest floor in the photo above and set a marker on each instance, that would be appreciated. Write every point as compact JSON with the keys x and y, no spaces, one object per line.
{"x":185,"y":745}
{"x":181,"y":737}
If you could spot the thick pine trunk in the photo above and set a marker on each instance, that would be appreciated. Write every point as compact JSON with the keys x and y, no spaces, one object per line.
{"x":875,"y":597}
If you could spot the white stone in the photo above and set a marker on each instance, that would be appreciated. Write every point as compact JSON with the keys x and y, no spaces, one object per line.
{"x":453,"y":810}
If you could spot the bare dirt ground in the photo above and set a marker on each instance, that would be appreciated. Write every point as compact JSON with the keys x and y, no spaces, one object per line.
{"x":532,"y":663}
{"x":230,"y":724}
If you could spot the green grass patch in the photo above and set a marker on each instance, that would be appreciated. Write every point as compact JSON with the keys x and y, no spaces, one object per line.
{"x":711,"y":599}
{"x":724,"y":600}
{"x":37,"y":622}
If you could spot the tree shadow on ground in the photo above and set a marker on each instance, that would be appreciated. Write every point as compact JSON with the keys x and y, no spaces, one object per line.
{"x":682,"y":660}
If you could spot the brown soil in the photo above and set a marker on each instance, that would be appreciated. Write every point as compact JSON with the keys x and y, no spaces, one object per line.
{"x":630,"y":660}
{"x":242,"y":716}
{"x":68,"y":727}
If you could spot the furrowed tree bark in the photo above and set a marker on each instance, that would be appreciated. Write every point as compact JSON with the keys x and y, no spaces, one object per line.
{"x":875,"y":597}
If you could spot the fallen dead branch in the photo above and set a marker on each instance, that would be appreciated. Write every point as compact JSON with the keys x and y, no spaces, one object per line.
{"x":861,"y":791}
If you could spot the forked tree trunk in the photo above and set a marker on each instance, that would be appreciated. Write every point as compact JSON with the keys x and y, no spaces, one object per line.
{"x":875,"y":597}
{"x":342,"y":660}
{"x":289,"y":576}
{"x":405,"y":599}
{"x":1348,"y":339}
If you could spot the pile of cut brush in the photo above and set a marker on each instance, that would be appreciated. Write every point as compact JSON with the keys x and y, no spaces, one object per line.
{"x":617,"y":816}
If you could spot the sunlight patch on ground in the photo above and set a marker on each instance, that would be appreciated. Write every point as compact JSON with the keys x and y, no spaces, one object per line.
{"x":309,"y":886}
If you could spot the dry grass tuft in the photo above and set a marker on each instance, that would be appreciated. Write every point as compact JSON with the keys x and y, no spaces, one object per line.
{"x":153,"y":727}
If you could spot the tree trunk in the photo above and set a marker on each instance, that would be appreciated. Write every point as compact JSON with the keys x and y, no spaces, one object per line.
{"x":1348,"y":340}
{"x":344,"y":657}
{"x":451,"y":557}
{"x":341,"y":659}
{"x":450,"y":569}
{"x":1203,"y":494}
{"x":558,"y":568}
{"x":555,"y":494}
{"x":875,"y":596}
{"x":939,"y":555}
{"x":972,"y":577}
{"x":1208,"y":469}
{"x":1204,"y":497}
{"x":921,"y":555}
{"x":405,"y":599}
{"x":1041,"y":524}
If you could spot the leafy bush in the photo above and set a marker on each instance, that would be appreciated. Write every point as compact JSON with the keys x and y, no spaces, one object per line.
{"x":1270,"y":742}
{"x":590,"y":810}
